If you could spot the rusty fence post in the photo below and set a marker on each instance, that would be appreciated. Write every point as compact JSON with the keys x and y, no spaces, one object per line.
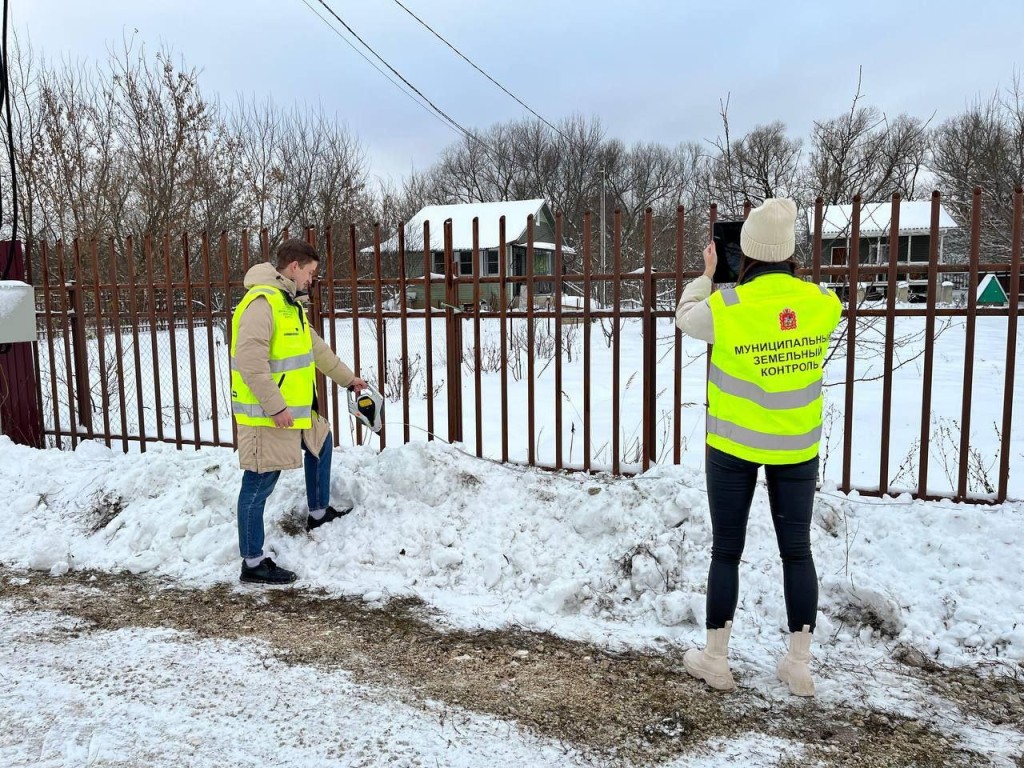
{"x":80,"y":355}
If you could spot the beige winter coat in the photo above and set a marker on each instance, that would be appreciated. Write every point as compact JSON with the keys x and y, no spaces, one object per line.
{"x":693,"y":315}
{"x":268,"y":449}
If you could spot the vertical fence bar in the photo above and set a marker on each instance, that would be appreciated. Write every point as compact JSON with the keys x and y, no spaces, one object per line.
{"x":133,"y":309}
{"x":616,"y":335}
{"x":245,"y":251}
{"x":208,"y":316}
{"x":228,"y":312}
{"x":650,"y":337}
{"x":558,"y":339}
{"x":101,"y":341}
{"x":853,"y":262}
{"x":588,"y":257}
{"x":890,"y":334}
{"x":404,"y":327}
{"x":316,"y":321}
{"x":186,"y":255}
{"x":115,"y":322}
{"x":332,"y":314}
{"x":244,"y":255}
{"x":530,"y":345}
{"x":453,"y":339}
{"x":69,"y":308}
{"x":81,"y":348}
{"x":816,"y":241}
{"x":502,"y":321}
{"x":972,"y":326}
{"x":712,"y":218}
{"x":929,"y":349}
{"x":477,"y":362}
{"x":147,"y":247}
{"x":1011,"y":343}
{"x":172,"y":336}
{"x":354,"y":267}
{"x":677,"y":353}
{"x":428,"y":320}
{"x":40,"y":426}
{"x":382,"y":338}
{"x":265,"y":244}
{"x":44,"y":257}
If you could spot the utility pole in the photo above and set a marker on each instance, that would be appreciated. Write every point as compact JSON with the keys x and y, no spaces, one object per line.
{"x":604,"y":264}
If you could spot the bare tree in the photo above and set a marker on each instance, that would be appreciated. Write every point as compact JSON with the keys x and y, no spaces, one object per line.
{"x":984,"y":146}
{"x":863,"y":152}
{"x":764,"y":163}
{"x":161,"y":121}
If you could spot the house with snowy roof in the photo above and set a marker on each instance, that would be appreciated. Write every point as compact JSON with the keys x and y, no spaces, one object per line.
{"x":915,"y":237}
{"x":875,"y":220}
{"x":488,"y":216}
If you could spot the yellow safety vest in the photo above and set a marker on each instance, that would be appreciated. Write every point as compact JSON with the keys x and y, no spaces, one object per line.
{"x":290,"y":357}
{"x":764,"y":384}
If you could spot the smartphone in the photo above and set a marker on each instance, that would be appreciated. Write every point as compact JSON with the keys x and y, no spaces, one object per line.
{"x":726,"y":236}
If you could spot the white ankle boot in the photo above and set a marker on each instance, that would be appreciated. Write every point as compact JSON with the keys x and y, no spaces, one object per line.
{"x":711,"y":664}
{"x":793,"y":667}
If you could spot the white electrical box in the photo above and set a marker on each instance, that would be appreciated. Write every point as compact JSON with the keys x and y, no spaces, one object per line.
{"x":17,"y":312}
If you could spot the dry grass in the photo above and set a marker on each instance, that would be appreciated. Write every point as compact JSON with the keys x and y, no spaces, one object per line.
{"x":630,"y":709}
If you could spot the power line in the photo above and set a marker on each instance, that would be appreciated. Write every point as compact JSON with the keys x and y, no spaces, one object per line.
{"x":454,"y":124}
{"x":7,"y":127}
{"x":398,"y":74}
{"x":349,"y":43}
{"x":465,"y":58}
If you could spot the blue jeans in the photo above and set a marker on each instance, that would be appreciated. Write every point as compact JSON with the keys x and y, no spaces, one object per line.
{"x":257,"y":487}
{"x":791,"y":488}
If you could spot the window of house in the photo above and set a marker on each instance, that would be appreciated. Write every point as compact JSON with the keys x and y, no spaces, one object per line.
{"x":542,"y":262}
{"x":839,"y":253}
{"x":882,"y":256}
{"x":918,"y":248}
{"x":518,"y":260}
{"x":438,"y":268}
{"x":491,"y":263}
{"x":466,"y":263}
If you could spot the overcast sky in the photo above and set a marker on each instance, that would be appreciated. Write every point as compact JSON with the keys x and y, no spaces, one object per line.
{"x":651,"y":71}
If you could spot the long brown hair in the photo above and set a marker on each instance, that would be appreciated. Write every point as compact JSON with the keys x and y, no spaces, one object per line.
{"x":747,"y":263}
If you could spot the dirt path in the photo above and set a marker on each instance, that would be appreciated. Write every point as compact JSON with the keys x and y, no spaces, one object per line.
{"x":631,"y":708}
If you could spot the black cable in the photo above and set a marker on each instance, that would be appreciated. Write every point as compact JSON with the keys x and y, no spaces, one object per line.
{"x":454,"y":124}
{"x":365,"y":58}
{"x":478,"y":69}
{"x":398,"y":74}
{"x":5,"y":106}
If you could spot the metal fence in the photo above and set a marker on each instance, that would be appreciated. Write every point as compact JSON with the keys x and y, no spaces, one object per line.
{"x":134,"y":339}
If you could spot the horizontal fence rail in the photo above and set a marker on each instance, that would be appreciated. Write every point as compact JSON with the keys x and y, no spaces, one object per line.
{"x":528,"y":366}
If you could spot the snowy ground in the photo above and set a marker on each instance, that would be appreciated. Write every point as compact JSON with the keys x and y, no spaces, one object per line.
{"x":617,"y":563}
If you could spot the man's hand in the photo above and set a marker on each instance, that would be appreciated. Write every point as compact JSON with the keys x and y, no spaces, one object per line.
{"x":283,"y":420}
{"x":357,"y":385}
{"x":710,"y":260}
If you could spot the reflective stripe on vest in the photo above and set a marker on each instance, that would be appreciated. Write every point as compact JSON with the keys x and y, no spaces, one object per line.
{"x":762,"y":440}
{"x":764,"y":380}
{"x":293,"y":363}
{"x":776,"y":401}
{"x":256,"y":411}
{"x":290,"y":360}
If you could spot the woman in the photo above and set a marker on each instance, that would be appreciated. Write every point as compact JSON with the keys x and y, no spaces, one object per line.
{"x":770,"y":335}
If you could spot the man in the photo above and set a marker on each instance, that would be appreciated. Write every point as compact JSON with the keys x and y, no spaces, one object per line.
{"x":274,"y":357}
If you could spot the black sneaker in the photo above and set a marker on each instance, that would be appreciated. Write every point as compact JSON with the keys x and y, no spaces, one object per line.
{"x":266,"y":572}
{"x":330,"y":514}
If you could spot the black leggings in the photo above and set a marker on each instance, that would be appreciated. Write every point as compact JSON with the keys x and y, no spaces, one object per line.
{"x":791,"y":489}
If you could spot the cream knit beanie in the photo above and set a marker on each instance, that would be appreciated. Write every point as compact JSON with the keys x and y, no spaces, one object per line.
{"x":768,"y":234}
